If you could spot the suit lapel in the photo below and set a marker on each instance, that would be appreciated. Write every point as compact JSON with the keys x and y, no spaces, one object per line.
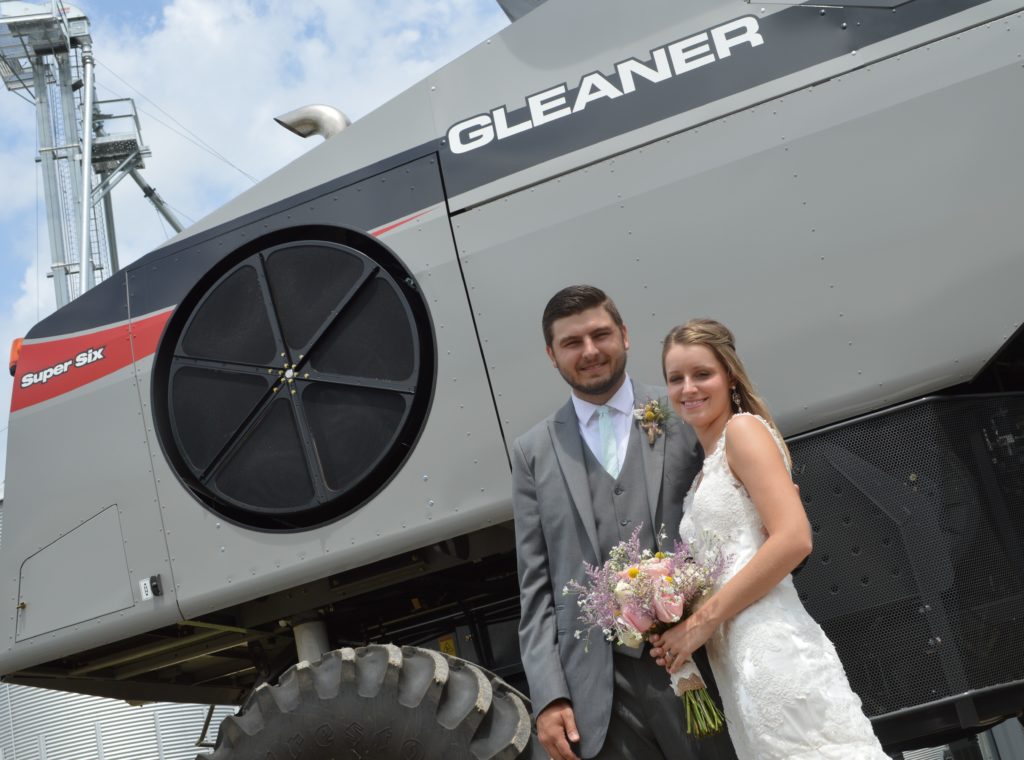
{"x":568,"y":445}
{"x":653,"y":456}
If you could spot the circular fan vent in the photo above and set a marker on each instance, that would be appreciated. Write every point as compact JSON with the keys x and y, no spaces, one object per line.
{"x":294,"y":385}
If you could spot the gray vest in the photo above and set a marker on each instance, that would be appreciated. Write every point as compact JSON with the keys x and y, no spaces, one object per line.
{"x":620,"y":504}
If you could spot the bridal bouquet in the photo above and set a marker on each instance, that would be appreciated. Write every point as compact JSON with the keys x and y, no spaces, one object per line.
{"x":637,"y":592}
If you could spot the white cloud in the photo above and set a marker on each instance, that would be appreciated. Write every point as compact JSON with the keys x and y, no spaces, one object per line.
{"x":223,"y":69}
{"x":16,"y":169}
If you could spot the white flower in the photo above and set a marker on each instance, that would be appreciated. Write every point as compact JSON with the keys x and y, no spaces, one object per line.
{"x":628,"y":635}
{"x":622,"y":592}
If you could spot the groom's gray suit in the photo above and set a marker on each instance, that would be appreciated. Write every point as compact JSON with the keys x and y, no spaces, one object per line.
{"x":556,"y":532}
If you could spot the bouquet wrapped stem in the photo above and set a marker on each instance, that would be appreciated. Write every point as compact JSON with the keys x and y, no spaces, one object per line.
{"x":703,"y":718}
{"x":639,"y":592}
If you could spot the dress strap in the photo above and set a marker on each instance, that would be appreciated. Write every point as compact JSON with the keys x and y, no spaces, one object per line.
{"x":771,"y":429}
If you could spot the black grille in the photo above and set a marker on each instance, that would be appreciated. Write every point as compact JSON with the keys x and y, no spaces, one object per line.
{"x":350,"y":425}
{"x":293,"y":383}
{"x":232,"y":323}
{"x":916,"y":574}
{"x":375,"y":340}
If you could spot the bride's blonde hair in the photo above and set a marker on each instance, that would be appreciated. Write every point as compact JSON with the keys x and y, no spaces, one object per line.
{"x":719,"y":338}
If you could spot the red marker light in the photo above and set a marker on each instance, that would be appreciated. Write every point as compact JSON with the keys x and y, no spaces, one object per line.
{"x":15,"y":354}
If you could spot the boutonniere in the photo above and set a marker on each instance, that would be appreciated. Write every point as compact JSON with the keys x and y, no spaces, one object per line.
{"x":653,"y":417}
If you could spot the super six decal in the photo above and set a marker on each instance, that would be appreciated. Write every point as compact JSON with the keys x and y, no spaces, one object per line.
{"x":44,"y":376}
{"x":50,"y":368}
{"x":671,"y":60}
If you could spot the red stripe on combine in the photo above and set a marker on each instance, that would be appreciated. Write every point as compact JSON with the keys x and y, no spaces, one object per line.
{"x":388,"y":227}
{"x":53,"y":368}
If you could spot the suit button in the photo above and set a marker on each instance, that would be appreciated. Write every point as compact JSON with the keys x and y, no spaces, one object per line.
{"x":618,"y":490}
{"x":624,"y":523}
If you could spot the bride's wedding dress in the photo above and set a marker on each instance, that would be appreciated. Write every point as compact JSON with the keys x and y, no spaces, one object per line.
{"x":784,"y":690}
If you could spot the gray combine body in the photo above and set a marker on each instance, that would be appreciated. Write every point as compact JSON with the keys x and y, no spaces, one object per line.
{"x":306,"y":399}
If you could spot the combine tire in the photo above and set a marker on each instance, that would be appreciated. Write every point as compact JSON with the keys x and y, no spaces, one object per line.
{"x":380,"y":703}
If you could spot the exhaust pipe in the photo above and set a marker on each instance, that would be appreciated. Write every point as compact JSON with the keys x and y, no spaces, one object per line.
{"x":314,"y":120}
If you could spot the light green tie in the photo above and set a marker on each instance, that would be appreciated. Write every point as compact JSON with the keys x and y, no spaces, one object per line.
{"x":609,"y":445}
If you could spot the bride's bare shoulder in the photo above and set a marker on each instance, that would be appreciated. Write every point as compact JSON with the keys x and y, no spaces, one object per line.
{"x":746,"y":425}
{"x":748,"y":437}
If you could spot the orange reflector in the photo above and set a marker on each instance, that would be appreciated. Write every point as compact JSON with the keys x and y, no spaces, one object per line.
{"x":15,"y":354}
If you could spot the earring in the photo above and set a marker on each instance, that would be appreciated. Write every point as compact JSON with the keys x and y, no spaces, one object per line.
{"x":736,"y":399}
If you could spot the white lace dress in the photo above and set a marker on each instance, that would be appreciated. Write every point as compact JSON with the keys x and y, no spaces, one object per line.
{"x":784,"y":690}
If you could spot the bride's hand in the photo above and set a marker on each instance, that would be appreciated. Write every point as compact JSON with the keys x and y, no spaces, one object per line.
{"x":675,"y":646}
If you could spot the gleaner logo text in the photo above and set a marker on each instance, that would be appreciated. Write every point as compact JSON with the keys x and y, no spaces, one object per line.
{"x":673,"y":59}
{"x":44,"y":376}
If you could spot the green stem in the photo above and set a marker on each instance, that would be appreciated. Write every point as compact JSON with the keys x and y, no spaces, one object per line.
{"x":703,"y":717}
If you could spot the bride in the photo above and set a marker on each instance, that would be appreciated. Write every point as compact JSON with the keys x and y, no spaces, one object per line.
{"x":784,"y":690}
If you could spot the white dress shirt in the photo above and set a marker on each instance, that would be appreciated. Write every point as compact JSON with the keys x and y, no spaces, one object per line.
{"x":621,"y":414}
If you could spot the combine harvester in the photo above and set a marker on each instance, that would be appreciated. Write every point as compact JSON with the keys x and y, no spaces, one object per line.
{"x":304,"y":402}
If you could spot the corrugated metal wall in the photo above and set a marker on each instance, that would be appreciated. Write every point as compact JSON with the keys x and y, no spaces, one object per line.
{"x":39,"y":724}
{"x":937,"y":753}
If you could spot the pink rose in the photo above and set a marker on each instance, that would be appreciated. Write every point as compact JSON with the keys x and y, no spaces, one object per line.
{"x":668,"y":607}
{"x":637,"y":617}
{"x":657,"y":568}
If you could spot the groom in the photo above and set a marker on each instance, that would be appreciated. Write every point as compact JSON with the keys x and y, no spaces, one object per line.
{"x":584,"y":479}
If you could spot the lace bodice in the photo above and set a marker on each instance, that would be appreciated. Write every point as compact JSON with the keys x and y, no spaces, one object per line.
{"x":718,"y":508}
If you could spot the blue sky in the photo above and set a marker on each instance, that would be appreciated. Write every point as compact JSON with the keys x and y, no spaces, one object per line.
{"x":216,"y":72}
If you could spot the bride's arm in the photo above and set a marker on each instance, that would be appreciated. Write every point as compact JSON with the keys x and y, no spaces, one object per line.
{"x":757,"y":463}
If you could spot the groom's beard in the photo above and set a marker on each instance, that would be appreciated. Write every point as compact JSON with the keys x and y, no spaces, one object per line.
{"x":600,"y":386}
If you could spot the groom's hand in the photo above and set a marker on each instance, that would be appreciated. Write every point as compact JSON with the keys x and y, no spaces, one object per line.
{"x":556,"y":727}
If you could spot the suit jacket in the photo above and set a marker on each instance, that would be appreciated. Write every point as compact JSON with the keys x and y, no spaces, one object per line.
{"x":556,"y":533}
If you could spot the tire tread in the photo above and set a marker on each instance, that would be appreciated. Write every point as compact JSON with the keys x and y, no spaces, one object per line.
{"x":447,"y":707}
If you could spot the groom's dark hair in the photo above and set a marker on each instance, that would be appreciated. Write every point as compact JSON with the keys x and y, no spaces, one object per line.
{"x":574,"y":300}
